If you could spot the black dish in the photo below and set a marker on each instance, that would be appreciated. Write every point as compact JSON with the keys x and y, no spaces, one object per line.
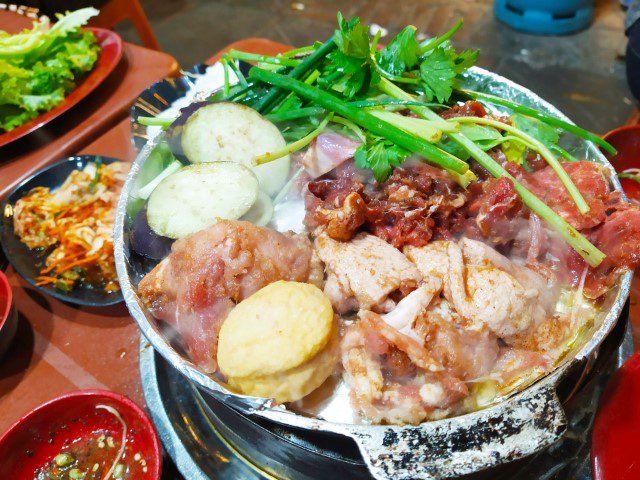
{"x":159,"y":97}
{"x":28,"y":262}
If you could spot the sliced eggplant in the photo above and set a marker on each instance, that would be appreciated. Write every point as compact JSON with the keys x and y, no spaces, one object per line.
{"x":146,"y":242}
{"x":230,"y":132}
{"x":145,"y":192}
{"x":174,"y":132}
{"x":261,"y":212}
{"x":198,"y":195}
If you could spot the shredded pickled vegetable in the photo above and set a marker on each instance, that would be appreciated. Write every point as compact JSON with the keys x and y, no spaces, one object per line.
{"x":76,"y":221}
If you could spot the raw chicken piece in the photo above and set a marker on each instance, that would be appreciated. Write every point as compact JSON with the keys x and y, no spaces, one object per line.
{"x":432,"y":260}
{"x":467,"y":354}
{"x":428,"y":319}
{"x":486,"y":295}
{"x":478,"y":253}
{"x":196,"y":286}
{"x":382,"y":396}
{"x":363,"y":272}
{"x":484,"y":287}
{"x":414,"y":348}
{"x":410,"y":308}
{"x":408,"y":365}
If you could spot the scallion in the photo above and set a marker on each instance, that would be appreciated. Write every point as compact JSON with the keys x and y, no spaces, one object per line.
{"x":553,"y":162}
{"x":543,"y":117}
{"x":267,"y":100}
{"x":254,"y":57}
{"x":363,"y":119}
{"x":295,"y":146}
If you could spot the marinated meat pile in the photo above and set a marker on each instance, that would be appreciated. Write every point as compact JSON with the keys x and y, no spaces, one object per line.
{"x":420,"y":203}
{"x":455,"y":286}
{"x":413,"y":206}
{"x":474,"y":316}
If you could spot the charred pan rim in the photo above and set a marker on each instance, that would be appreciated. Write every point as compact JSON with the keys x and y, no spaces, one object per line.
{"x":519,"y":426}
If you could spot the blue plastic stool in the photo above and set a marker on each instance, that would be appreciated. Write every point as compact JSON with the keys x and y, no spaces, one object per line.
{"x":551,"y":17}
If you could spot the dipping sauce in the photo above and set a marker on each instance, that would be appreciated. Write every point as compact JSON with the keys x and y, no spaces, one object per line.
{"x":99,"y":455}
{"x":92,"y":458}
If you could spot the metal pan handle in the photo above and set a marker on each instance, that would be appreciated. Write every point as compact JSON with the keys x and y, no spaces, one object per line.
{"x":521,"y":426}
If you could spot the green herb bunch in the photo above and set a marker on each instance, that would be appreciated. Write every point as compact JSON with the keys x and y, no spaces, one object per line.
{"x":350,"y":84}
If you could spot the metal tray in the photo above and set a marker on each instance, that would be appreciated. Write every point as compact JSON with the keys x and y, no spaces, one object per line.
{"x":207,"y":439}
{"x":513,"y":429}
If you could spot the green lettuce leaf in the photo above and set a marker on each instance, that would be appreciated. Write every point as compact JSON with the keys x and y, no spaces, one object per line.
{"x":38,"y":67}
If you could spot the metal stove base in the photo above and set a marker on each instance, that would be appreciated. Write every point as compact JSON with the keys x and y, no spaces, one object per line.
{"x":198,"y":436}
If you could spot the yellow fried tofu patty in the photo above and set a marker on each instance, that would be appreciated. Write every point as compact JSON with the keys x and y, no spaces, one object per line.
{"x":275,"y":343}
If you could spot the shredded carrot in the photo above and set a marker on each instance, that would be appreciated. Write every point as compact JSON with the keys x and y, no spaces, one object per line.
{"x":58,"y":261}
{"x":69,"y":266}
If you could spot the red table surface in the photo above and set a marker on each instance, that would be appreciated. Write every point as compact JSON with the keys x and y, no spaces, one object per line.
{"x":61,"y":348}
{"x":89,"y":119}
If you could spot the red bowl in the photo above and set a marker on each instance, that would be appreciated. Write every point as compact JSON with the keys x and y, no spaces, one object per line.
{"x":35,"y":439}
{"x":626,"y":140}
{"x":8,"y":315}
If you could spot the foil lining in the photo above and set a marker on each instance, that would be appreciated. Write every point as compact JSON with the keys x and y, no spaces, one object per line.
{"x":521,"y":425}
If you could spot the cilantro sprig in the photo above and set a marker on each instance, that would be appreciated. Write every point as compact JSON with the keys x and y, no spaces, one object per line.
{"x":380,"y":156}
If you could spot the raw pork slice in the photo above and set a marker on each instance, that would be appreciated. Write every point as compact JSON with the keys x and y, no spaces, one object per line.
{"x":196,"y":286}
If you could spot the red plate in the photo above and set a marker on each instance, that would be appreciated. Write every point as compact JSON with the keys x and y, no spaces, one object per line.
{"x":36,"y":438}
{"x":614,"y":444}
{"x":111,"y":53}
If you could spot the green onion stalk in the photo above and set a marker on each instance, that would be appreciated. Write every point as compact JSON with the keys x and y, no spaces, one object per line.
{"x":265,"y":104}
{"x":578,"y":242}
{"x":294,"y":146}
{"x":254,"y":57}
{"x":289,"y":100}
{"x":631,"y":174}
{"x":538,"y":146}
{"x":300,"y":51}
{"x":363,"y":118}
{"x":241,"y":78}
{"x":543,"y":117}
{"x":357,"y":131}
{"x":282,"y":115}
{"x":562,"y":152}
{"x":163,"y":122}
